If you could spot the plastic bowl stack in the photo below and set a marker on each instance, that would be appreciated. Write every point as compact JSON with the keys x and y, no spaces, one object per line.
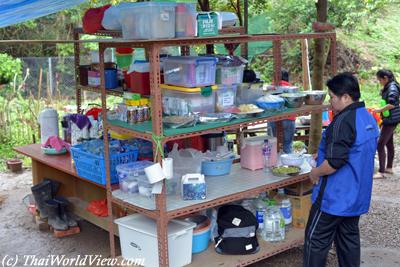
{"x":292,"y":159}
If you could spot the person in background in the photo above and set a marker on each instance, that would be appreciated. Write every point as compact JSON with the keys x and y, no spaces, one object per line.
{"x":342,"y":178}
{"x":289,"y":125}
{"x":390,"y":114}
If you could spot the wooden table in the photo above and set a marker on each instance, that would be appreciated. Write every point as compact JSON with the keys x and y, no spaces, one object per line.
{"x":78,"y":190}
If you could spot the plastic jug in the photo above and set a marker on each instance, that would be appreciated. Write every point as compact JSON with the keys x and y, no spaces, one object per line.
{"x":48,"y":120}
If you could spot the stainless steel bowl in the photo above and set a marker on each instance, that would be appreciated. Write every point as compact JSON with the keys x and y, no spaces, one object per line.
{"x":315,"y":97}
{"x":293,"y":100}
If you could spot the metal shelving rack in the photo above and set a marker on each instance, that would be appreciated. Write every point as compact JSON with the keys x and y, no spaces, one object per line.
{"x":160,"y":211}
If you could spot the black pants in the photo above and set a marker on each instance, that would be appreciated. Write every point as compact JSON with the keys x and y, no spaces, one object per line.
{"x":386,"y":139}
{"x":322,"y":229}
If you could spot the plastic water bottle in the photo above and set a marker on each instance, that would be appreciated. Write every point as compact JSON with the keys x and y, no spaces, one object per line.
{"x":274,"y":224}
{"x":260,"y":207}
{"x":266,"y":150}
{"x":285,"y":206}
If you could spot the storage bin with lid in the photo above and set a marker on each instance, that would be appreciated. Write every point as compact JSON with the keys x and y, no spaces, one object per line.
{"x":225,"y":97}
{"x":251,"y":156}
{"x":229,"y":74}
{"x":148,"y":20}
{"x":190,"y":71}
{"x":138,"y":239}
{"x":182,"y":101}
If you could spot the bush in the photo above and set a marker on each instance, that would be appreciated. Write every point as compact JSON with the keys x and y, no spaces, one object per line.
{"x":9,"y":68}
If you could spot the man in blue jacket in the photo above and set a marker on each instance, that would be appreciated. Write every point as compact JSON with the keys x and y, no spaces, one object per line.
{"x":343,"y":177}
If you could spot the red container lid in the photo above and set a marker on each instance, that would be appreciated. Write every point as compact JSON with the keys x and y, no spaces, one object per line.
{"x":124,"y":50}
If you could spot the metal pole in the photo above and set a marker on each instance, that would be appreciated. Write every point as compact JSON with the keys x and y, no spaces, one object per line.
{"x":50,"y":76}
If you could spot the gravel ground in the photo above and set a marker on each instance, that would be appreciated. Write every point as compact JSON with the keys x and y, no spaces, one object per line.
{"x":380,"y":234}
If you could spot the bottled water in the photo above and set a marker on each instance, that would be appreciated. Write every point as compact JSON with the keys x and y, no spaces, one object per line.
{"x":266,"y":150}
{"x":260,"y":208}
{"x":285,"y":206}
{"x":274,"y":224}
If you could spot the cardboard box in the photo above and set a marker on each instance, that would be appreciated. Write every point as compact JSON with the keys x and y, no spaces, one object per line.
{"x":301,"y":206}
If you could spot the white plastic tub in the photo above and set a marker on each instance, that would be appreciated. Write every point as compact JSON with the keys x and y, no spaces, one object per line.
{"x":190,"y":71}
{"x":148,"y":20}
{"x":138,"y":239}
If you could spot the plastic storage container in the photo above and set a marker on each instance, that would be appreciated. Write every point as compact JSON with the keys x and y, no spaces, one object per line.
{"x":138,"y":78}
{"x":226,"y":97}
{"x":148,"y":20}
{"x":138,"y":239}
{"x":131,"y":176}
{"x":251,"y":156}
{"x":229,"y":74}
{"x":201,"y":237}
{"x":248,"y":93}
{"x":111,"y":78}
{"x":182,"y":101}
{"x":190,"y":71}
{"x":185,"y":22}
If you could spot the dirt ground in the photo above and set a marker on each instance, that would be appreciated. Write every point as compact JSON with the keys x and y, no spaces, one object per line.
{"x":380,"y":232}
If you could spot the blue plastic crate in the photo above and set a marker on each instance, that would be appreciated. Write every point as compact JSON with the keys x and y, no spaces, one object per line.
{"x":92,"y":167}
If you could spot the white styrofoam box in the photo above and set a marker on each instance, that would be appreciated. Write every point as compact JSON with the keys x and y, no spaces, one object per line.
{"x":148,"y":20}
{"x":108,"y":56}
{"x":138,"y":238}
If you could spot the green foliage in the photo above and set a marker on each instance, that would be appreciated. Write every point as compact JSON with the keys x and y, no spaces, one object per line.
{"x":10,"y":68}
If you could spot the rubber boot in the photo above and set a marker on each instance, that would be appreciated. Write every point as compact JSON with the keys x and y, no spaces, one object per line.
{"x":55,"y":185}
{"x":64,"y":214}
{"x":41,"y":193}
{"x":54,"y":219}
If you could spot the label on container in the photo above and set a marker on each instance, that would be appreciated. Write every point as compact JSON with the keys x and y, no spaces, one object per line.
{"x":227,"y":99}
{"x":164,"y":16}
{"x":287,"y":214}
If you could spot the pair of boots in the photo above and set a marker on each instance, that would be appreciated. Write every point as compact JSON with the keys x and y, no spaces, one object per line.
{"x":51,"y":206}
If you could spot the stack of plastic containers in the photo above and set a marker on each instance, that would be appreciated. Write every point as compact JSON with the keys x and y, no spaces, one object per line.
{"x":132,"y":178}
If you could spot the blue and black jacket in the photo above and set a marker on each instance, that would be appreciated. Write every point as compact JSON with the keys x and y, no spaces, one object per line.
{"x":349,"y":145}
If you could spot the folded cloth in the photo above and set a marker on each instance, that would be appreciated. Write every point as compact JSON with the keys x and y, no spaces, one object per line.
{"x":57,"y":143}
{"x":80,"y":120}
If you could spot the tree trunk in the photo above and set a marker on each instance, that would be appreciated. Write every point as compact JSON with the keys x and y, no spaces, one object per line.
{"x":319,"y":61}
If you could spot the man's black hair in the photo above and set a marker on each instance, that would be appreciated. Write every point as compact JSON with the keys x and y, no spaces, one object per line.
{"x":345,"y":83}
{"x":284,"y":75}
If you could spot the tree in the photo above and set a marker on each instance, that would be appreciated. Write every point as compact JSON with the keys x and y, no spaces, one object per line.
{"x":319,"y":61}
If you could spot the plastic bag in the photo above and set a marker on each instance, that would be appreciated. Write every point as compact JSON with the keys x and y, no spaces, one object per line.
{"x":185,"y":160}
{"x":98,"y":207}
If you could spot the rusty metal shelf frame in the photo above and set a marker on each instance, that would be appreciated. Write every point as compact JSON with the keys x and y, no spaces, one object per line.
{"x":226,"y":199}
{"x":153,"y":48}
{"x":114,"y":92}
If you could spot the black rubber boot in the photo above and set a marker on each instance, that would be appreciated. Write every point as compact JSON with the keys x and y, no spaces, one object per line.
{"x":54,"y":219}
{"x":55,"y":185}
{"x":64,"y":214}
{"x":41,"y":193}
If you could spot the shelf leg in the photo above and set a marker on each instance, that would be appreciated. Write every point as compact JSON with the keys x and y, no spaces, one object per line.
{"x":77,"y":78}
{"x":106,"y":151}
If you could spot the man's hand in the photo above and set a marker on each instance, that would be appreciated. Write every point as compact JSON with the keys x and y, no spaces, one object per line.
{"x":314,"y":175}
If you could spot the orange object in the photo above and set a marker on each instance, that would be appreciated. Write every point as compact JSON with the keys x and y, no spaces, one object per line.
{"x":71,"y":231}
{"x":375,"y":115}
{"x":98,"y":207}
